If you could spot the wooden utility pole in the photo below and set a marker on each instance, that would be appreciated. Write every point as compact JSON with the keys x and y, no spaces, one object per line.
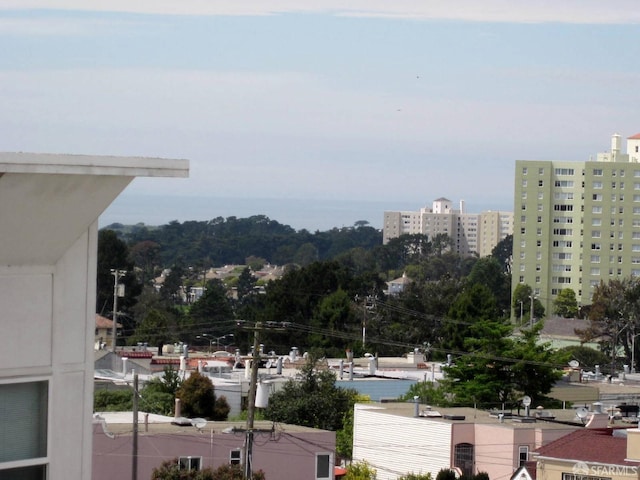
{"x":251,"y":406}
{"x":134,"y":456}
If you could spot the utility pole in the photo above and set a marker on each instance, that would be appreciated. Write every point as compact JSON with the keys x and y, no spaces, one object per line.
{"x":364,"y":321}
{"x":531,"y":318}
{"x":134,"y":456}
{"x":251,"y":406}
{"x":117,"y":274}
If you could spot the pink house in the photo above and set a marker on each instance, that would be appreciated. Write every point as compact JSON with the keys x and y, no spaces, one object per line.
{"x":281,"y":451}
{"x":402,"y":438}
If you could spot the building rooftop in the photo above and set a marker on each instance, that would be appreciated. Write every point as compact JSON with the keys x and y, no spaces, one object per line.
{"x":546,"y":419}
{"x":605,"y":446}
{"x":121,"y":423}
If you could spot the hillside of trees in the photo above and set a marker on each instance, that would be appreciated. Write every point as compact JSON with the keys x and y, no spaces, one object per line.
{"x":230,"y":241}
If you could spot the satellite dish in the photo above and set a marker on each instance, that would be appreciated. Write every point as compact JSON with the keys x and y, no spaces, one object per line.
{"x":526,"y":400}
{"x":574,"y":364}
{"x":582,"y":413}
{"x":199,"y":423}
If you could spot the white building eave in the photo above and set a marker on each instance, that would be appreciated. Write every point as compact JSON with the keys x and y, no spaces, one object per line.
{"x":47,"y":200}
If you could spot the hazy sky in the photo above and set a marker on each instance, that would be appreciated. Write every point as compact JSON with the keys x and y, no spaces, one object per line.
{"x":395,"y":101}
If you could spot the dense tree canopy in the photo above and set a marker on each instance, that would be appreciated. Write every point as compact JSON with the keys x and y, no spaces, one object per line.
{"x":232,"y":240}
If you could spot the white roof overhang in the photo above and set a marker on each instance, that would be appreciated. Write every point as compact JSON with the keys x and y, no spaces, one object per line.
{"x":47,"y":201}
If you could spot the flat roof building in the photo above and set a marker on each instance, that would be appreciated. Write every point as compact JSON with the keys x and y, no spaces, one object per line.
{"x":577,"y":223}
{"x":471,"y":233}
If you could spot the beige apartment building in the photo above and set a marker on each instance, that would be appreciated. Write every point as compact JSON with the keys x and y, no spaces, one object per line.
{"x":577,"y":223}
{"x":472,"y":233}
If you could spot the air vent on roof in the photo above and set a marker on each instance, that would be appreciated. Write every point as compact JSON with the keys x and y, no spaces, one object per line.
{"x":524,"y":420}
{"x":430,"y":414}
{"x":449,"y":416}
{"x":497,"y":413}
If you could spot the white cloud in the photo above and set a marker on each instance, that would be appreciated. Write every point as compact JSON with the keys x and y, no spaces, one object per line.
{"x":521,"y":11}
{"x":61,"y":26}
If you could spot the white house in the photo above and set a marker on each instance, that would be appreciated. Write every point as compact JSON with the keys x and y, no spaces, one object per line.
{"x":49,"y":209}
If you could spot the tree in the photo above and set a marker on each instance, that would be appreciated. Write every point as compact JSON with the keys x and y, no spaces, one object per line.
{"x":429,"y":393}
{"x":415,"y":476}
{"x":212,"y":308}
{"x":614,"y":318}
{"x":145,"y":254}
{"x":473,"y":305}
{"x":446,"y":474}
{"x":198,"y":399}
{"x":172,"y":284}
{"x":500,"y":369}
{"x":488,"y":271}
{"x":170,"y":470}
{"x":587,"y":357}
{"x":158,"y":395}
{"x":503,"y":252}
{"x":246,"y":283}
{"x":360,"y":471}
{"x":344,"y":436}
{"x":522,"y":296}
{"x":113,"y":253}
{"x":314,"y":401}
{"x":565,"y":303}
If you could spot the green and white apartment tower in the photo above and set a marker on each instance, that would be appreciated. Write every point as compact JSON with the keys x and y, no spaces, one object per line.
{"x":577,"y":223}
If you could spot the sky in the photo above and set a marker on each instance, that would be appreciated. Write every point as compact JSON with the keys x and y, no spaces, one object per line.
{"x":315,"y":113}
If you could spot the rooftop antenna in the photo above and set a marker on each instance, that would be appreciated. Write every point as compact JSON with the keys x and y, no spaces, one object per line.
{"x":582,"y":413}
{"x":199,"y":423}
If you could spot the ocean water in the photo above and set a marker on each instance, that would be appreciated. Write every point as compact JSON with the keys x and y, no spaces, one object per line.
{"x":298,"y":213}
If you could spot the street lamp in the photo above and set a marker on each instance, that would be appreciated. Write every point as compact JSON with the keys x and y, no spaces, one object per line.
{"x":205,"y":336}
{"x":214,"y":339}
{"x":521,"y":304}
{"x":220,"y":338}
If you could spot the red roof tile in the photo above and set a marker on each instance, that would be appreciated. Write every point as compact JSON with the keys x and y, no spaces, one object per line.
{"x":104,"y":322}
{"x":635,"y":137}
{"x":589,"y":445}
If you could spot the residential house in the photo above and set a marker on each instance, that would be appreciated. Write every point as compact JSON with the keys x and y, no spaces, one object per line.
{"x":104,"y":332}
{"x":401,"y":438}
{"x":591,"y":454}
{"x":398,"y":285}
{"x":282,"y":452}
{"x":49,"y":206}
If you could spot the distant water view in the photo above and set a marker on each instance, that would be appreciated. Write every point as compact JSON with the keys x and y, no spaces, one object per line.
{"x":299,"y":213}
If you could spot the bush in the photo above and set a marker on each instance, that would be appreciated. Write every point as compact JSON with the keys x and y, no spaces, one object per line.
{"x":113,"y":400}
{"x":169,"y":470}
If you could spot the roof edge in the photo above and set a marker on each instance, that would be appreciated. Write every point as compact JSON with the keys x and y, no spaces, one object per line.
{"x":49,"y":163}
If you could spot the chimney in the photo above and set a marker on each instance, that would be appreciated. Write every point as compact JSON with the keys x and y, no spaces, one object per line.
{"x":178,"y":409}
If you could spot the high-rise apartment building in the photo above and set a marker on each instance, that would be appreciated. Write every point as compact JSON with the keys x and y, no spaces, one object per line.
{"x":471,"y":233}
{"x":577,"y":223}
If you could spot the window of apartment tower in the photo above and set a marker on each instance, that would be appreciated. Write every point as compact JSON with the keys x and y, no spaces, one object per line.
{"x":540,"y":183}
